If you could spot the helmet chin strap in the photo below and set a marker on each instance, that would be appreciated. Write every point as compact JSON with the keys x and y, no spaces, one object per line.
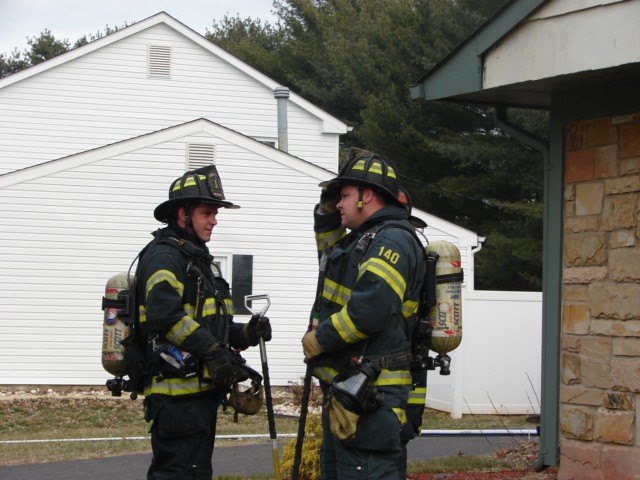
{"x":360,"y":203}
{"x":188,"y":221}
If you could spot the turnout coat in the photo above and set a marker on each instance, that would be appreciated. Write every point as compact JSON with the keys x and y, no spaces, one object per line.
{"x":367,"y":302}
{"x":182,"y":302}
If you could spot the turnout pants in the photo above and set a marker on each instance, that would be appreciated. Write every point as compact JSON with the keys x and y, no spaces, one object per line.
{"x":414,"y":412}
{"x":373,"y":455}
{"x":182,"y":435}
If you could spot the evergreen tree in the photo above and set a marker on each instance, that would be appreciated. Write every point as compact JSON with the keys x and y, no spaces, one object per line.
{"x":356,"y":59}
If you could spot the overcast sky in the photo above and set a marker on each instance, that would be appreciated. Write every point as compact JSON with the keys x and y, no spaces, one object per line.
{"x":71,"y":19}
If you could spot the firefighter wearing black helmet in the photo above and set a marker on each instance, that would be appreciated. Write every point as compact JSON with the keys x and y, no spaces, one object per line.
{"x":187,"y":320}
{"x":359,"y":343}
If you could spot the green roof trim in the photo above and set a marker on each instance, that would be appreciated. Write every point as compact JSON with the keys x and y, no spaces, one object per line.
{"x":460,"y":72}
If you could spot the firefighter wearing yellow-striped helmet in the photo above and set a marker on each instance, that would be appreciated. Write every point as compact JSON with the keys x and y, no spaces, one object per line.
{"x":201,"y":185}
{"x":190,"y":339}
{"x":358,"y":345}
{"x":365,"y":169}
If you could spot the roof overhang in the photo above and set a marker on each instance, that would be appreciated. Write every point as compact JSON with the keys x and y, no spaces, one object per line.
{"x":499,"y":64}
{"x":459,"y":74}
{"x":538,"y":94}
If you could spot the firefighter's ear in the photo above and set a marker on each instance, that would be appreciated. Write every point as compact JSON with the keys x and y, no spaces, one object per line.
{"x":368,"y":195}
{"x":181,"y":216}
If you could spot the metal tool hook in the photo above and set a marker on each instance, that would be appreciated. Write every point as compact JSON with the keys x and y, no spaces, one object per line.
{"x":253,"y":299}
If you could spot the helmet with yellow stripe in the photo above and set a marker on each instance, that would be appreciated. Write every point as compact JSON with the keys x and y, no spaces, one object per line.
{"x":369,"y":170}
{"x":200,"y":185}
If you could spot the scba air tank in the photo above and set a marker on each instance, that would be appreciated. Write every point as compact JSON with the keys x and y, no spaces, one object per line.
{"x":446,"y":314}
{"x":114,"y":330}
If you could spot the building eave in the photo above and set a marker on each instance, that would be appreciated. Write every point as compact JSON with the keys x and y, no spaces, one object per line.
{"x":538,"y":94}
{"x":460,"y":73}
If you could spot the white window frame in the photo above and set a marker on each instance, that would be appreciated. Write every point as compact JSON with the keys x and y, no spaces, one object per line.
{"x":224,"y":260}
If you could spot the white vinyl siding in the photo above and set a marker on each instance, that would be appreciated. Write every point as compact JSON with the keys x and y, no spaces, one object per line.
{"x":108,"y":96}
{"x":89,"y":148}
{"x":64,"y":233}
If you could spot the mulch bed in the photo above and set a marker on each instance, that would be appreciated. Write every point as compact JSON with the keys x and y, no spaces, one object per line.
{"x":521,"y":474}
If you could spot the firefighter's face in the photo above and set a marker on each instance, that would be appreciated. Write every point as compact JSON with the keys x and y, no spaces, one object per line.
{"x":352,"y":216}
{"x":203,"y":219}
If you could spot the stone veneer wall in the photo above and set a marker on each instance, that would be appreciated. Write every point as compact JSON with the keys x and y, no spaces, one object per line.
{"x":600,"y":357}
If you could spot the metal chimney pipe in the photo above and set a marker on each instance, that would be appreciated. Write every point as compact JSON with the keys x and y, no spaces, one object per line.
{"x":282,"y":94}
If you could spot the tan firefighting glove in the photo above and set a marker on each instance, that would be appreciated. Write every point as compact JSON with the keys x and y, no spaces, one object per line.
{"x":310,"y":346}
{"x":329,"y":198}
{"x":342,"y":422}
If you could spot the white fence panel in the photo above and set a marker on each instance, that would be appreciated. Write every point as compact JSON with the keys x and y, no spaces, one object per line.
{"x":497,"y":367}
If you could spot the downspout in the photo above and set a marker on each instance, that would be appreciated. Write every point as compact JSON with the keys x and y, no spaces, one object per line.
{"x":475,"y":250}
{"x":549,"y":414}
{"x":282,"y":94}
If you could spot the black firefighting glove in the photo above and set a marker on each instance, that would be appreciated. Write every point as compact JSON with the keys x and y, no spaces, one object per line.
{"x":219,"y":366}
{"x":258,"y":327}
{"x":329,"y":198}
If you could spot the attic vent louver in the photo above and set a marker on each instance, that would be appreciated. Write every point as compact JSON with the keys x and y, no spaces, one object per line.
{"x":200,"y":155}
{"x":159,"y":61}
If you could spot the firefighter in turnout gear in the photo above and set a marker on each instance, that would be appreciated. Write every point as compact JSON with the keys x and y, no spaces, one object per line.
{"x":190,"y":338}
{"x":359,"y":340}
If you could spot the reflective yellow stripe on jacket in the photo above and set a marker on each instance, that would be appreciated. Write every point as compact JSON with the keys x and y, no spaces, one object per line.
{"x":164,"y":276}
{"x":346,"y":328}
{"x":401,"y":414}
{"x":393,"y":377}
{"x":330,"y":238}
{"x":176,"y":386}
{"x":409,"y":307}
{"x":386,"y":272}
{"x":181,"y":330}
{"x":336,"y":293}
{"x":417,"y":396}
{"x":386,"y":378}
{"x":325,"y":374}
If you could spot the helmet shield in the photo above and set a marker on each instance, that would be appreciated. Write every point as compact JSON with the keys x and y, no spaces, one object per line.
{"x":200,"y":185}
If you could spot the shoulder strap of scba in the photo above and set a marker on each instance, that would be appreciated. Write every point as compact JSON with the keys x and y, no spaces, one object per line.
{"x":126,"y":301}
{"x":427,"y":296}
{"x":128,"y":308}
{"x":369,"y":235}
{"x":192,"y":252}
